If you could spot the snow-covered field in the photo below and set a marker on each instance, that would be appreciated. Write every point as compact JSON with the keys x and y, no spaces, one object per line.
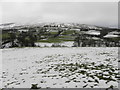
{"x":83,"y":67}
{"x":66,"y":44}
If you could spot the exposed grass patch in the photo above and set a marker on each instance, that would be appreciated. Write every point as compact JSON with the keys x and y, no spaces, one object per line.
{"x":5,"y":36}
{"x":67,"y":32}
{"x":56,"y":40}
{"x":53,"y":33}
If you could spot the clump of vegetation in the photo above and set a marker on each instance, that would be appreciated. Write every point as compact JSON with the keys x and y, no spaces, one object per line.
{"x":22,"y":39}
{"x":26,"y":40}
{"x":34,"y":86}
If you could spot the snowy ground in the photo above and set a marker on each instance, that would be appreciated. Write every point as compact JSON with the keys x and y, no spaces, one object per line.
{"x":84,"y":67}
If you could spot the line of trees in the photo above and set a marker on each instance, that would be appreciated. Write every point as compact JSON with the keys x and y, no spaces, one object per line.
{"x":82,"y":41}
{"x":20,"y":39}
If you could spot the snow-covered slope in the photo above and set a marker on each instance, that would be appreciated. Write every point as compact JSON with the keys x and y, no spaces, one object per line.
{"x":58,"y":67}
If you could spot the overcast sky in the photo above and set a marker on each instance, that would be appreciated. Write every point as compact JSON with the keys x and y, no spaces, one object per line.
{"x":99,"y":13}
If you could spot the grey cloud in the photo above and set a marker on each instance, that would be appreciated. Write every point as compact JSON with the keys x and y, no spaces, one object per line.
{"x":96,"y":13}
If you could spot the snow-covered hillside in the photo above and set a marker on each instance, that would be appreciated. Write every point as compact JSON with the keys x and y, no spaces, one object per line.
{"x":60,"y":67}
